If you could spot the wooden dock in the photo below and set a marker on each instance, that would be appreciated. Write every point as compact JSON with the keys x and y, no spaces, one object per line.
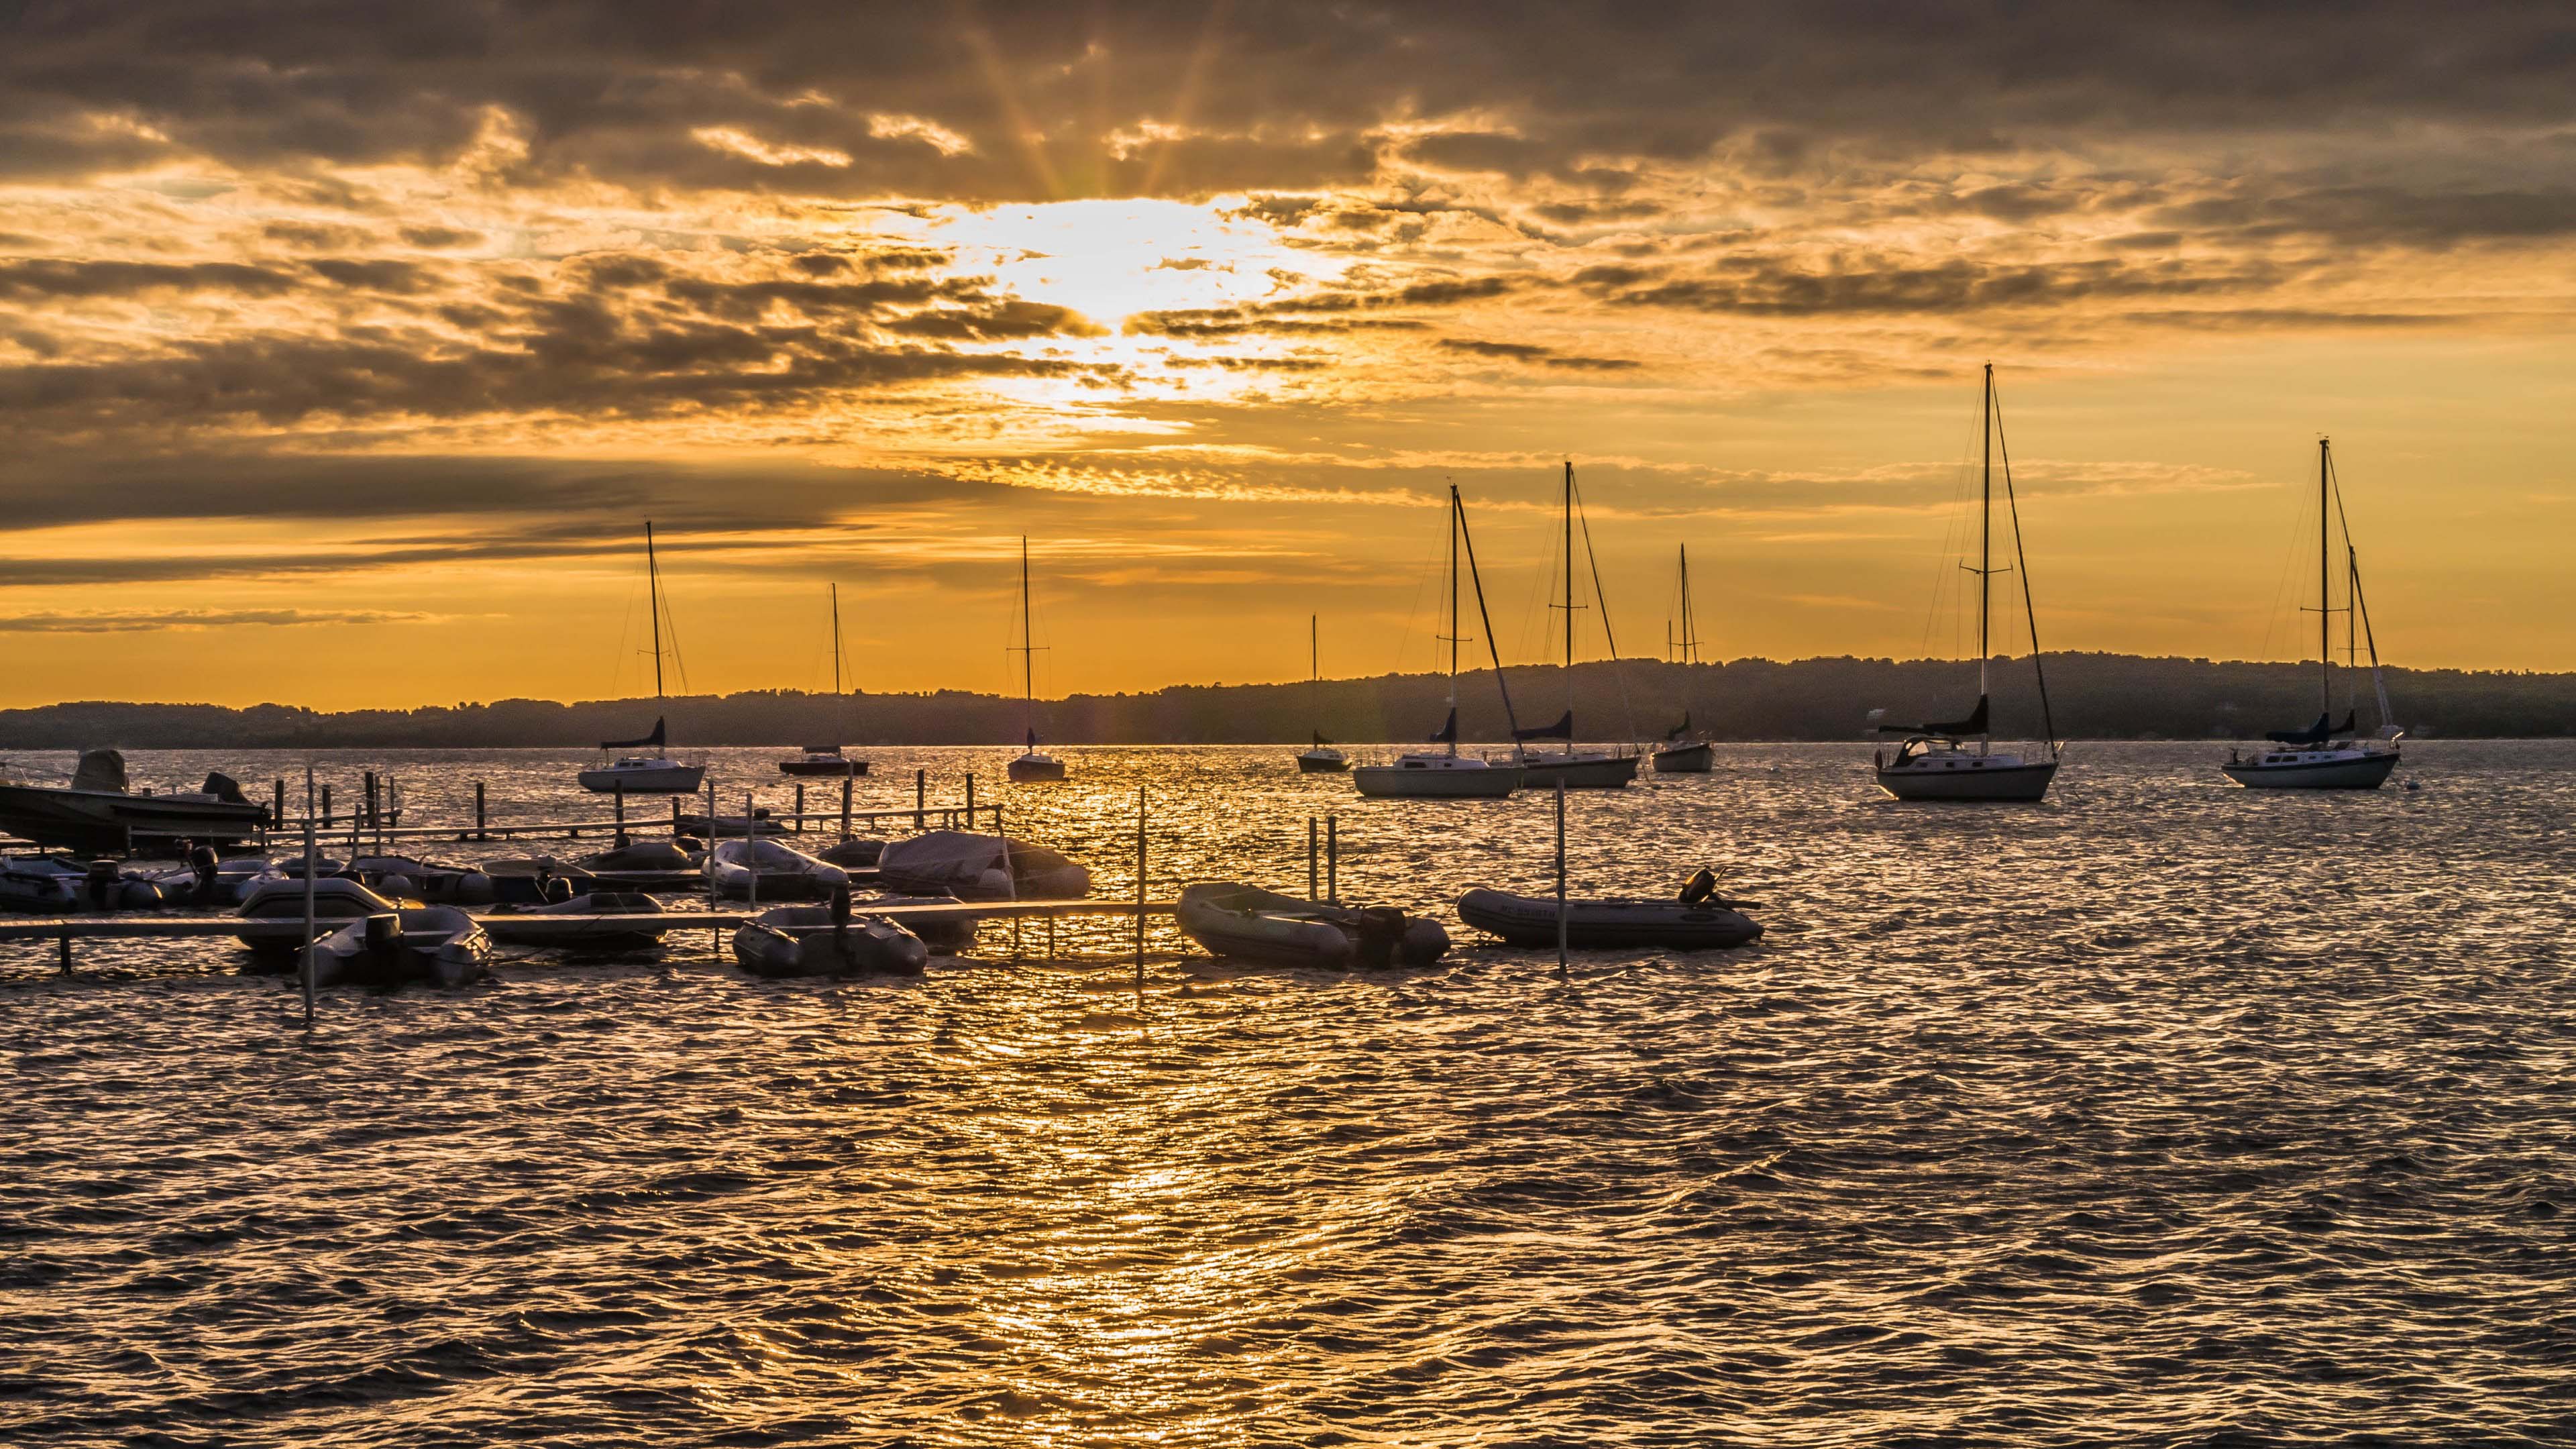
{"x":144,"y":926}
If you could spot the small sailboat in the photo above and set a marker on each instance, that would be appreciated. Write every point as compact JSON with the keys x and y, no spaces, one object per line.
{"x":1579,"y":769}
{"x":1322,"y":758}
{"x":1032,"y":765}
{"x":1447,"y":774}
{"x":1935,"y":761}
{"x":827,"y":760}
{"x":2328,"y":756}
{"x":1683,"y":752}
{"x":654,"y":773}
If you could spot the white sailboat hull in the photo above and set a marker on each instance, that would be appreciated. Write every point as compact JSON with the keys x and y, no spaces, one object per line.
{"x":1436,"y":778}
{"x":1684,"y":760}
{"x":1579,"y":772}
{"x":2315,"y":770}
{"x":645,"y":777}
{"x":1035,"y":768}
{"x":1968,"y":777}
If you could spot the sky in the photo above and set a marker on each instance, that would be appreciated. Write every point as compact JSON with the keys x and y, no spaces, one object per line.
{"x":346,"y":349}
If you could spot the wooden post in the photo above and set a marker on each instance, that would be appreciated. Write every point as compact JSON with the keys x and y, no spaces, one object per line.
{"x":1312,"y":893}
{"x":920,"y":796}
{"x":312,"y":851}
{"x":1560,"y":878}
{"x":1333,"y":859}
{"x":370,"y":802}
{"x":481,"y":822}
{"x":845,"y":807}
{"x":67,"y":952}
{"x":751,"y":854}
{"x":800,"y":807}
{"x":618,"y":796}
{"x":970,"y":799}
{"x":1140,"y":891}
{"x":715,"y":938}
{"x":277,"y":811}
{"x":675,"y":817}
{"x":326,"y":800}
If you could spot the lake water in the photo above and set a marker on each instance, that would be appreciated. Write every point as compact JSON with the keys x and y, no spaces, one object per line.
{"x":2165,"y":1112}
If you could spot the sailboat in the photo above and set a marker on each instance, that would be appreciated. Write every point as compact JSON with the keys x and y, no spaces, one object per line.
{"x":1579,"y":769}
{"x":1445,"y":773}
{"x":1935,"y":761}
{"x":1321,"y":758}
{"x":827,"y":759}
{"x":2311,"y":759}
{"x":1682,"y":753}
{"x":1032,"y":765}
{"x":654,"y":773}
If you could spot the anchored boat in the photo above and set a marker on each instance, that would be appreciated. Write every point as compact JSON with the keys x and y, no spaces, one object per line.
{"x":97,"y":813}
{"x":1577,"y":769}
{"x":806,"y":941}
{"x":1611,"y":922}
{"x":1321,"y":758}
{"x":575,"y":924}
{"x":646,"y":774}
{"x":2328,"y":756}
{"x":1683,"y":751}
{"x":1446,"y":774}
{"x":1935,"y":761}
{"x":1249,"y":924}
{"x":1032,"y":765}
{"x":827,"y":760}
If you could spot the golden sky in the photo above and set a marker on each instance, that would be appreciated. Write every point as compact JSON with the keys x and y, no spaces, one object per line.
{"x":345,"y":349}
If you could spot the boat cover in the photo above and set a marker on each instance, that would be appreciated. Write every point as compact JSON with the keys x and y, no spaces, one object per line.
{"x":652,"y":741}
{"x":980,"y":867}
{"x":100,"y":770}
{"x":2315,"y":734}
{"x":1974,"y":724}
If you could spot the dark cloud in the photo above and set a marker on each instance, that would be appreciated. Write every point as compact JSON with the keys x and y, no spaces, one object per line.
{"x":37,"y":278}
{"x":1776,"y":287}
{"x":1541,"y":356}
{"x":441,"y":236}
{"x":142,"y":621}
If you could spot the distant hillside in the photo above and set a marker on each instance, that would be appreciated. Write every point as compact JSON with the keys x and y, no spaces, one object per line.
{"x":2096,"y":696}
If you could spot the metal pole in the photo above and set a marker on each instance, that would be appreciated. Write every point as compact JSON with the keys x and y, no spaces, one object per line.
{"x":1140,"y":890}
{"x":1312,"y":891}
{"x":920,"y":796}
{"x":311,"y":851}
{"x":1333,"y":859}
{"x":1560,"y":876}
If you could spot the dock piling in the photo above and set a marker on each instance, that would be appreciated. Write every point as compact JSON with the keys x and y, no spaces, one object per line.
{"x":618,"y":796}
{"x":1140,"y":893}
{"x":479,"y":820}
{"x":1312,"y":866}
{"x":799,"y":822}
{"x":920,"y":797}
{"x":1560,"y":878}
{"x":1333,"y":859}
{"x":970,"y":799}
{"x":67,"y":953}
{"x":304,"y":958}
{"x":845,"y":807}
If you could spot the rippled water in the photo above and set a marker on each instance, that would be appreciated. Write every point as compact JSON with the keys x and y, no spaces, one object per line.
{"x":2165,"y":1112}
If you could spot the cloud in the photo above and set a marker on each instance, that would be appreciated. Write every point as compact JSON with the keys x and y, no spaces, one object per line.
{"x":143,"y":621}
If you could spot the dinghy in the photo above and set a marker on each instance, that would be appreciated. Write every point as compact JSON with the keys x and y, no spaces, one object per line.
{"x":849,"y":854}
{"x":537,"y":880}
{"x":1246,"y":923}
{"x":766,"y":868}
{"x":430,"y":881}
{"x":641,"y":855}
{"x":58,"y":883}
{"x":233,"y":881}
{"x":417,"y":945}
{"x":1605,"y":924}
{"x":574,"y":924}
{"x":801,"y":941}
{"x":980,"y":868}
{"x":335,"y":898}
{"x":698,"y":825}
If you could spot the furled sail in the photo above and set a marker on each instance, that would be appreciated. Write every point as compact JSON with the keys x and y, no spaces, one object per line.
{"x":1679,"y":730}
{"x":1448,"y":733}
{"x":652,"y":741}
{"x":2315,"y":734}
{"x":1320,"y":741}
{"x":1563,"y":729}
{"x":1974,"y":724}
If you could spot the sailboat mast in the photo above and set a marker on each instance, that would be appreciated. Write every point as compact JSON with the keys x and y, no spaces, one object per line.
{"x":2325,"y":601}
{"x":1314,"y":649}
{"x":1985,"y":525}
{"x":653,"y":603}
{"x":836,"y":638}
{"x":1690,"y":627}
{"x":1028,"y":651}
{"x":1569,"y":586}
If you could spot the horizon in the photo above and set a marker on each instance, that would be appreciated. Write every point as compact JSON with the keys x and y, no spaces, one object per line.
{"x":308,"y":402}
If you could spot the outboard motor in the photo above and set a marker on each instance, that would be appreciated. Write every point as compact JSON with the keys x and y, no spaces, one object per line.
{"x":202,"y":864}
{"x":225,"y":788}
{"x":104,"y":885}
{"x":1381,"y":931}
{"x":1700,"y":887}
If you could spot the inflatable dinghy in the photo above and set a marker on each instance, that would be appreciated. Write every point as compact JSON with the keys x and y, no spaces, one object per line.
{"x":800,"y":941}
{"x":1246,"y":923}
{"x":1604,"y":924}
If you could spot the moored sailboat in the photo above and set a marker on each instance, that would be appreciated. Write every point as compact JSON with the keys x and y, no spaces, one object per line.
{"x":1445,"y":773}
{"x":1682,"y":752}
{"x":1935,"y":761}
{"x":827,"y":759}
{"x":1320,"y":758}
{"x":1578,"y":769}
{"x":1032,"y":765}
{"x":2325,"y":755}
{"x":646,"y":774}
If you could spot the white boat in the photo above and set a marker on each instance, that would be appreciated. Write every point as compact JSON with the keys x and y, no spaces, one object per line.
{"x":1572,"y":767}
{"x":653,"y":774}
{"x":431,"y":882}
{"x":97,"y":813}
{"x":764,"y":868}
{"x":805,"y":941}
{"x":234,"y":879}
{"x":47,"y":884}
{"x":1446,"y":774}
{"x":1032,"y":765}
{"x":1320,"y":758}
{"x":2328,"y":756}
{"x":827,"y":760}
{"x":334,"y":898}
{"x":975,"y":867}
{"x":1936,"y":761}
{"x":414,"y":945}
{"x":1246,"y":923}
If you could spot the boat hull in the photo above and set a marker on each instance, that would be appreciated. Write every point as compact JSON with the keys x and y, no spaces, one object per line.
{"x":2002,"y":783}
{"x":1582,"y":772}
{"x":1036,"y":769}
{"x":2366,"y":772}
{"x":1242,"y":923}
{"x":1670,"y":925}
{"x":104,"y":820}
{"x":1322,"y":762}
{"x":828,"y":769}
{"x":665,"y":779}
{"x":1396,"y":782}
{"x":802,"y":942}
{"x":1684,"y":760}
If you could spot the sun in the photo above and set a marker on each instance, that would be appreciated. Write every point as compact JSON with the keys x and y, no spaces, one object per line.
{"x":1110,"y":260}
